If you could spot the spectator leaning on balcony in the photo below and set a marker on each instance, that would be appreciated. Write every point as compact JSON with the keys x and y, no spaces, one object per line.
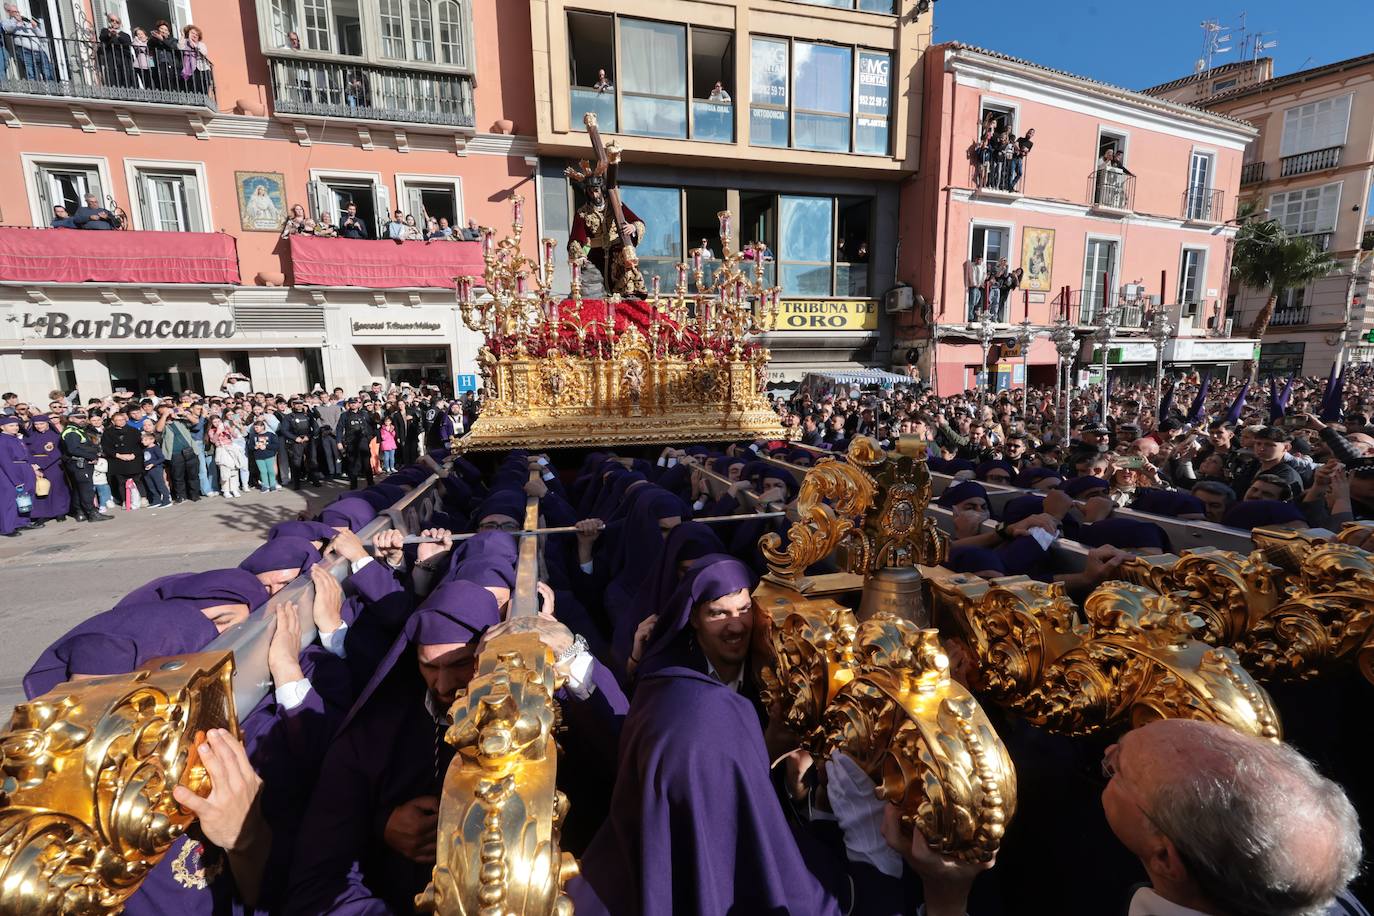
{"x":195,"y":61}
{"x":718,"y":94}
{"x":61,"y":219}
{"x":94,"y":216}
{"x":324,"y":229}
{"x":164,"y":50}
{"x":442,"y":229}
{"x":353,"y":226}
{"x":472,"y":233}
{"x":295,"y":223}
{"x":115,"y":54}
{"x":30,"y":41}
{"x":1018,"y":162}
{"x":975,"y":272}
{"x":143,"y":64}
{"x":602,"y":84}
{"x":413,"y":232}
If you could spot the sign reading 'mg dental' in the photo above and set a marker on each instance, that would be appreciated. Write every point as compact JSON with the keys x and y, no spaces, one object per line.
{"x":125,"y":326}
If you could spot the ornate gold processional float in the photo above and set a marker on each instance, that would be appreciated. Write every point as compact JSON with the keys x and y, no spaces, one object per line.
{"x":856,"y":627}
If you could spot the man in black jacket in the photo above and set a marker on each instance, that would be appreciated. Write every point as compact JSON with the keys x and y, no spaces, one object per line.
{"x":299,"y":432}
{"x":79,"y":455}
{"x":123,"y":448}
{"x":353,"y":226}
{"x":355,"y":433}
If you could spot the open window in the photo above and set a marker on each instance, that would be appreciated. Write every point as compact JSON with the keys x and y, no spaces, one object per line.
{"x":591,"y":57}
{"x":759,"y":223}
{"x":713,"y":90}
{"x":436,"y":197}
{"x":66,"y":185}
{"x":332,"y":194}
{"x":1109,"y":141}
{"x":852,"y":254}
{"x":1191,"y":267}
{"x":169,"y":199}
{"x":703,"y":226}
{"x":1000,"y":117}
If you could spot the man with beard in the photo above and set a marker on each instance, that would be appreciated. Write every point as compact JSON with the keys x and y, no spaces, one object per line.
{"x":355,"y":433}
{"x":299,"y":431}
{"x":596,"y":237}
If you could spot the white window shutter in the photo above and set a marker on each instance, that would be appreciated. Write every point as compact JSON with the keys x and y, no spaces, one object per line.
{"x":324,"y":199}
{"x":190,"y":186}
{"x":416,"y":205}
{"x":182,"y":12}
{"x":45,"y":195}
{"x":381,"y":195}
{"x":147,"y":219}
{"x":1326,"y":207}
{"x":93,"y":185}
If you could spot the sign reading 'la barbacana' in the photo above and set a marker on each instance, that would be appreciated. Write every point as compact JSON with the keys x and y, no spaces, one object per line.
{"x":123,"y":326}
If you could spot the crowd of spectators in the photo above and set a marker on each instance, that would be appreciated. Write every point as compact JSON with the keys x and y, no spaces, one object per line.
{"x":149,"y":58}
{"x":991,"y":285}
{"x":999,"y":156}
{"x":84,"y":461}
{"x":402,"y":227}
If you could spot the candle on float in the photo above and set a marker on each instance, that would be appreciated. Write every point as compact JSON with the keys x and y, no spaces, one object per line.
{"x":724,"y":217}
{"x":682,"y":276}
{"x":696,"y":260}
{"x":488,"y":242}
{"x":519,"y":208}
{"x":548,"y":251}
{"x":654,"y":283}
{"x":576,"y":271}
{"x":520,"y":284}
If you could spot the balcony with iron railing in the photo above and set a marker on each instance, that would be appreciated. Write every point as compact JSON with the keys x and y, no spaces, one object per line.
{"x":72,"y":68}
{"x":1252,"y":173}
{"x":1318,"y":240}
{"x":1111,"y":190}
{"x":1285,"y":318}
{"x":366,"y":92}
{"x":999,"y":176}
{"x":1313,"y":161}
{"x":1202,"y":205}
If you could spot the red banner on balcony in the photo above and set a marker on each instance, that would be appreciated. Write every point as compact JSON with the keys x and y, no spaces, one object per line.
{"x":88,"y":256}
{"x":383,"y":264}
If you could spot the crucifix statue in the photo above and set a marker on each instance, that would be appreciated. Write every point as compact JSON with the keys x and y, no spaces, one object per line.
{"x":605,"y":231}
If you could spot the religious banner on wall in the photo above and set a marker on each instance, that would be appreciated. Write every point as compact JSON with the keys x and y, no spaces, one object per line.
{"x":1037,"y":257}
{"x":827,"y":315}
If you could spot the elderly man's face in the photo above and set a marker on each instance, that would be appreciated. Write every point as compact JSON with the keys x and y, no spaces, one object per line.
{"x":92,"y":200}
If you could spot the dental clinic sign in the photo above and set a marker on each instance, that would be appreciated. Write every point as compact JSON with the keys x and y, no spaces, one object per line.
{"x":126,"y":326}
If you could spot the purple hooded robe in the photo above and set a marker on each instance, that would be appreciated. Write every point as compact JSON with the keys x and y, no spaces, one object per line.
{"x":45,"y":450}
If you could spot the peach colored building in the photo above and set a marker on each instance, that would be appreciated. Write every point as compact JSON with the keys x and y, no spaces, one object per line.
{"x":311,"y":102}
{"x":1312,"y":169}
{"x":1092,"y":239}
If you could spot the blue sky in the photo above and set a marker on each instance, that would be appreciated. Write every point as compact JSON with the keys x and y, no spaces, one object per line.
{"x":1141,"y":44}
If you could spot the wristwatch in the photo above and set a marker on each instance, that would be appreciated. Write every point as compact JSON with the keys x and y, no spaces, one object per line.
{"x":579,"y":645}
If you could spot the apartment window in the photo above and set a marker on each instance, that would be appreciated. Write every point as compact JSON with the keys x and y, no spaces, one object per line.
{"x":316,"y":24}
{"x":283,"y":22}
{"x":431,"y":197}
{"x":66,"y":185}
{"x":1291,"y":299}
{"x":703,"y":227}
{"x":854,"y":225}
{"x":819,"y":86}
{"x":1317,"y":125}
{"x":713,"y":70}
{"x":660,"y":251}
{"x":1002,"y":117}
{"x":822,"y":77}
{"x":1099,"y":266}
{"x":989,"y":243}
{"x":169,"y":200}
{"x":591,"y":55}
{"x":421,"y":23}
{"x":333,"y":193}
{"x":450,"y":33}
{"x":768,"y":92}
{"x":1221,"y":85}
{"x":653,"y":78}
{"x":807,"y":246}
{"x":874,"y":103}
{"x":759,"y":223}
{"x":1110,"y":142}
{"x":1191,"y":268}
{"x":1199,"y":203}
{"x":393,"y":28}
{"x":1307,"y":211}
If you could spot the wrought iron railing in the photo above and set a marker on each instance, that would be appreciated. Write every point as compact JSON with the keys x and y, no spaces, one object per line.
{"x":1319,"y":240}
{"x":310,"y":87}
{"x":1007,"y":176}
{"x":1111,"y":189}
{"x":1289,"y":317}
{"x":1313,"y":161}
{"x":1252,"y":173}
{"x":1084,"y":308}
{"x":72,"y":68}
{"x":1202,"y":204}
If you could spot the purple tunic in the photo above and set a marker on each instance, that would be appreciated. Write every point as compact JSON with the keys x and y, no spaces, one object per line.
{"x":45,"y":450}
{"x":215,"y":586}
{"x":695,"y":827}
{"x":15,"y":471}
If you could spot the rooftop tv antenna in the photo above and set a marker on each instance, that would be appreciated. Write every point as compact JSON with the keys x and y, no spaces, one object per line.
{"x":1216,"y":41}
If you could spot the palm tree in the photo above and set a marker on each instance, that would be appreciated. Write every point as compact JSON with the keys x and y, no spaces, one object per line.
{"x":1266,"y":257}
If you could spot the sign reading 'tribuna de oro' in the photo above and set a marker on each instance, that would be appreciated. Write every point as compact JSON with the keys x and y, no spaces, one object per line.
{"x":124,"y":326}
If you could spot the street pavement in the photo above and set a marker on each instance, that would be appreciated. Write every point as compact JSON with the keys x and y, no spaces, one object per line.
{"x":61,"y":574}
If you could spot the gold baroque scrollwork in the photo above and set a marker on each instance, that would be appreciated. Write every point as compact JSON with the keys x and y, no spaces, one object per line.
{"x":500,"y":812}
{"x":831,"y":496}
{"x":86,"y":808}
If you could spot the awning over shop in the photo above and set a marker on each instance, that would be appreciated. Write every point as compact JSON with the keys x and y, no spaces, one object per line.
{"x":383,"y":264}
{"x":858,"y":377}
{"x":89,"y":256}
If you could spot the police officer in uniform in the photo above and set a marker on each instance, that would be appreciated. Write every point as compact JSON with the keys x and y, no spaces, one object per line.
{"x":355,"y":433}
{"x":78,"y":457}
{"x":299,"y":432}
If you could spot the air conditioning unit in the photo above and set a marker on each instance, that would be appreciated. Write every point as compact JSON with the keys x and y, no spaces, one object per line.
{"x":898,"y":299}
{"x":1133,"y":292}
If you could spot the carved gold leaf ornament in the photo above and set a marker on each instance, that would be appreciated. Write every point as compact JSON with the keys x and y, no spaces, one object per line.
{"x":500,"y":810}
{"x":86,"y":807}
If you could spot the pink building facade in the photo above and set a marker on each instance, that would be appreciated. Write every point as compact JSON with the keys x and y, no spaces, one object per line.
{"x":298,"y":102}
{"x":1096,"y":242}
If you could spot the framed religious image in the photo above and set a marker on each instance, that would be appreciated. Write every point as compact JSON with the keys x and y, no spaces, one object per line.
{"x":1037,"y":257}
{"x":262,"y":202}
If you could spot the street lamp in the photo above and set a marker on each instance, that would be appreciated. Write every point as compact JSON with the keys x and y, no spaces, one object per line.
{"x":1064,"y":344}
{"x":985,"y":329}
{"x":1106,"y":330}
{"x":1159,"y":330}
{"x":1025,"y":336}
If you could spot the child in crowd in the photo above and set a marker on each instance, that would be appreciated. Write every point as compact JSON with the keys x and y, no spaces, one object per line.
{"x":227,"y":457}
{"x":388,"y":435}
{"x":159,"y":496}
{"x":262,"y":445}
{"x":100,"y":477}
